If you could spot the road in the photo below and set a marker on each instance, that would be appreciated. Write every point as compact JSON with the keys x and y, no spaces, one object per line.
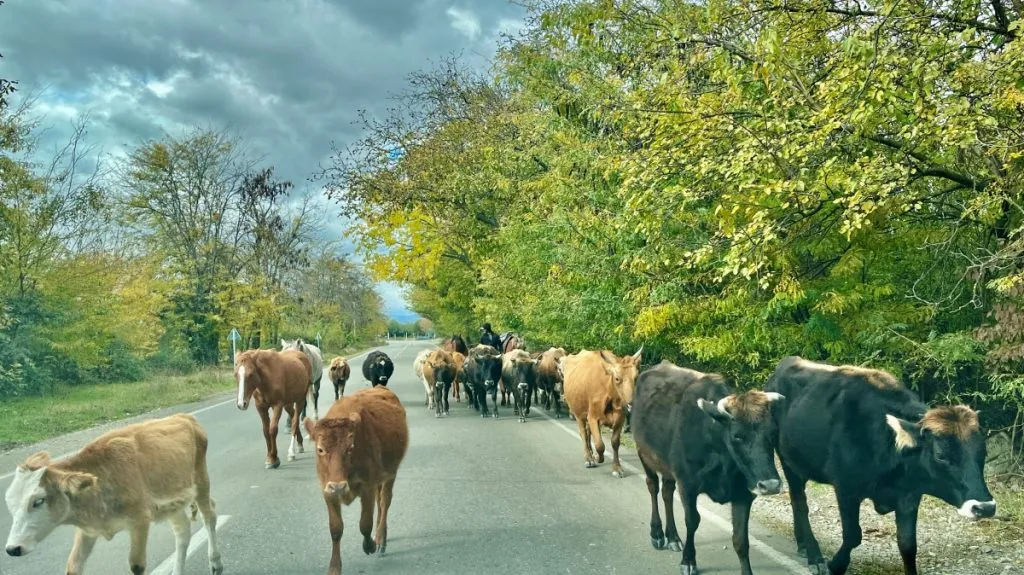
{"x":473,"y":496}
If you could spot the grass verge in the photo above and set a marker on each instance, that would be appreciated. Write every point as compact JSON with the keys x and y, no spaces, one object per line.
{"x":31,"y":419}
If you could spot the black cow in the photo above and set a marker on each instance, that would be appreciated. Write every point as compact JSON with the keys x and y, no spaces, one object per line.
{"x":869,"y":437}
{"x":377,"y":368}
{"x":482,"y":372}
{"x":692,"y":429}
{"x":518,"y":375}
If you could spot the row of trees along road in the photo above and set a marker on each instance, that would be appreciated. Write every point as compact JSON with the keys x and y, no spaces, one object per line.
{"x":727,"y":182}
{"x":110,"y":270}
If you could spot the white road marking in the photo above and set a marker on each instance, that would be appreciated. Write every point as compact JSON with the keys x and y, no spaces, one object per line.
{"x":198,"y":539}
{"x":718,"y":521}
{"x":196,"y":412}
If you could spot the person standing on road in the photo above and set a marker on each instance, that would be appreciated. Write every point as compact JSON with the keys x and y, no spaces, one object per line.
{"x":489,"y":337}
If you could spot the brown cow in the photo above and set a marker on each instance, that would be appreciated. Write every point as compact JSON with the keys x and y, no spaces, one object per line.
{"x":278,"y":380}
{"x":339,"y":373}
{"x":124,"y":479}
{"x":438,"y":375}
{"x":460,"y":360}
{"x":598,"y":390}
{"x":360,"y":445}
{"x":549,"y":379}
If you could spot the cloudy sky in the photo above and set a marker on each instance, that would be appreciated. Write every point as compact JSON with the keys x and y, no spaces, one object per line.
{"x":289,"y":75}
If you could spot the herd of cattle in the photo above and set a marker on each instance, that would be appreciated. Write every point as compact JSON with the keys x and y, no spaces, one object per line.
{"x":857,"y":429}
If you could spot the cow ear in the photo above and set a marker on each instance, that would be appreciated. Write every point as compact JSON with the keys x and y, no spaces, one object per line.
{"x":714,"y":411}
{"x":36,"y":461}
{"x":906,"y":435}
{"x":310,"y":426}
{"x":75,"y":483}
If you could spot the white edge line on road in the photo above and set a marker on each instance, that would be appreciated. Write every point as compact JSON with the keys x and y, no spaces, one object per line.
{"x":715,"y":519}
{"x":7,"y":476}
{"x":198,"y":539}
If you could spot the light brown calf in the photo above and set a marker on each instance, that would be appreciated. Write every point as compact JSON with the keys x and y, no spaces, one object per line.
{"x":360,"y":445}
{"x":339,"y":373}
{"x":124,"y":479}
{"x":598,"y":391}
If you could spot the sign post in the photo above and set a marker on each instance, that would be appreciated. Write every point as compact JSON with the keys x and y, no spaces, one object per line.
{"x":234,"y":336}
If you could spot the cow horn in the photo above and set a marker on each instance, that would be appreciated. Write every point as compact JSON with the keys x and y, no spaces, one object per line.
{"x":773,"y":396}
{"x":638,"y":352}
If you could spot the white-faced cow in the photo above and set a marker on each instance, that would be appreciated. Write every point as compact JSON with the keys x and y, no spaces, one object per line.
{"x":378,"y":368}
{"x":517,"y":375}
{"x":699,"y":435}
{"x":483,"y":372}
{"x":124,"y":479}
{"x":861,"y":431}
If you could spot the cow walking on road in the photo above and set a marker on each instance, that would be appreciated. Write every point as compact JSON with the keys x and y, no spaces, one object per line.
{"x":861,"y":431}
{"x":128,"y":478}
{"x":700,"y":436}
{"x":598,"y":390}
{"x":378,"y":368}
{"x":483,"y":372}
{"x":361,"y":443}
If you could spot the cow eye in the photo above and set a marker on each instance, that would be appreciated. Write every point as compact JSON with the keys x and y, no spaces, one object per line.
{"x":38,"y":503}
{"x":941,"y":457}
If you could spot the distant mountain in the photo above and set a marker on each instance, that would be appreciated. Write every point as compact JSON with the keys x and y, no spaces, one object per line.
{"x":403,"y":315}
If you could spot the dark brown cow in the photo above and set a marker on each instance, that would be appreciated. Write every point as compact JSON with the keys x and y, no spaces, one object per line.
{"x":361,"y":443}
{"x":460,"y":360}
{"x":598,"y":390}
{"x":549,"y":379}
{"x":439,"y":373}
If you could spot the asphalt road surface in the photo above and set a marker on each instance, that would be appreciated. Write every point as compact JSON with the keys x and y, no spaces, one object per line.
{"x":473,"y":496}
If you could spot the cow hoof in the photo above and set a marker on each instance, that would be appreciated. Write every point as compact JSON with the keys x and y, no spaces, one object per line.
{"x":216,"y":567}
{"x":522,"y":420}
{"x":590,"y":464}
{"x":483,"y":415}
{"x":801,"y":551}
{"x":658,"y":544}
{"x":369,"y":546}
{"x":437,"y":414}
{"x":618,"y":474}
{"x":273,"y":465}
{"x":495,"y":415}
{"x":818,"y":568}
{"x":688,"y":569}
{"x":291,"y":457}
{"x":675,"y":545}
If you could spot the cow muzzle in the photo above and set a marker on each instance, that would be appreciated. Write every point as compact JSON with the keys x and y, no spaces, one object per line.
{"x":242,"y":405}
{"x":336,"y":488}
{"x":767,"y":487}
{"x":975,"y":509}
{"x":16,"y":550}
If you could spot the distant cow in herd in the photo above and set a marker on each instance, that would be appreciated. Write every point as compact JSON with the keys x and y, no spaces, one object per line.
{"x":518,"y":377}
{"x":861,"y":431}
{"x":548,"y":379}
{"x":361,"y":443}
{"x":439,"y":373}
{"x":483,"y":372}
{"x":316,"y":373}
{"x":695,"y":432}
{"x":378,"y":368}
{"x":339,"y":372}
{"x":128,"y":478}
{"x":598,"y":391}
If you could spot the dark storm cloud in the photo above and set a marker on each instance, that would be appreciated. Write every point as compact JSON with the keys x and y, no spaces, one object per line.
{"x":288,"y":76}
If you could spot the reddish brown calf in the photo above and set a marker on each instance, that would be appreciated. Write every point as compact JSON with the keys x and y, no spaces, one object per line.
{"x":360,"y":445}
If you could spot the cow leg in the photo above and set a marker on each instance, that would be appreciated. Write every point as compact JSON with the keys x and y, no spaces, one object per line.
{"x":657,"y":532}
{"x":588,"y":455}
{"x":849,"y":513}
{"x":447,"y":389}
{"x":455,"y":391}
{"x":368,"y":499}
{"x":740,"y":535}
{"x":616,"y":441}
{"x":80,"y":552}
{"x":595,"y":432}
{"x":265,"y":419}
{"x":668,"y":495}
{"x":293,"y":428}
{"x":437,"y":400}
{"x":806,"y":544}
{"x":688,"y":566}
{"x":139,"y":534}
{"x":906,"y":531}
{"x":182,"y":528}
{"x":557,"y":400}
{"x":383,"y":505}
{"x":316,"y":401}
{"x":273,"y":461}
{"x":206,"y":507}
{"x":494,"y":398}
{"x":337,"y":527}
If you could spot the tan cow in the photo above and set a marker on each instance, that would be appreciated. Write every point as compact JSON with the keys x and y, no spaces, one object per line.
{"x":339,"y":373}
{"x":360,"y":445}
{"x":124,"y":479}
{"x":438,"y":374}
{"x":460,"y":360}
{"x":417,"y":366}
{"x":598,"y":391}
